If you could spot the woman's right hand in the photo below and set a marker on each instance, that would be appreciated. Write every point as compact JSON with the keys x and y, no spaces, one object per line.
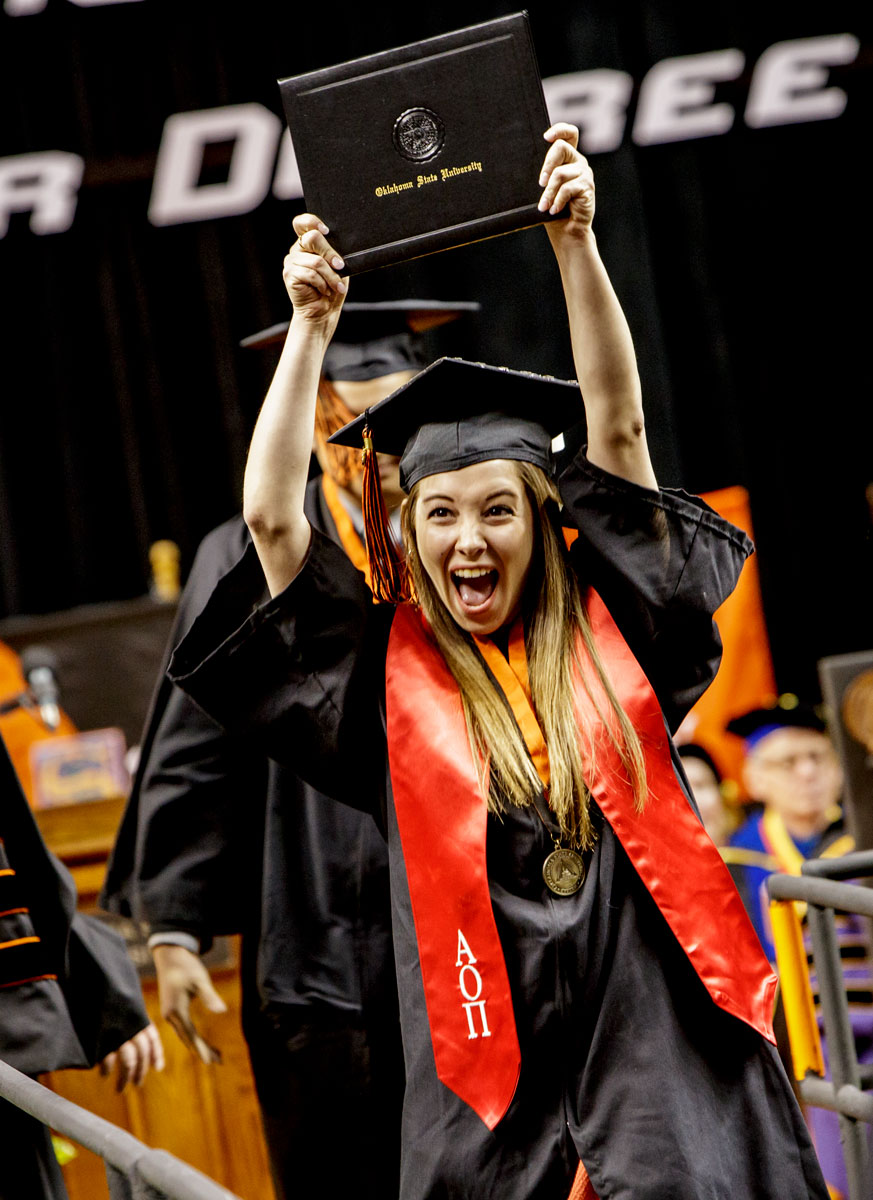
{"x":278,"y":462}
{"x":316,"y":290}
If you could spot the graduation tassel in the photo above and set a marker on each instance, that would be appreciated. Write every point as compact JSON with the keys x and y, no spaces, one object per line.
{"x":389,"y":577}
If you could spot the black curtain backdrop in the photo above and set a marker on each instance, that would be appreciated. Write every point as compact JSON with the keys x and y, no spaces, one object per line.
{"x":743,"y":262}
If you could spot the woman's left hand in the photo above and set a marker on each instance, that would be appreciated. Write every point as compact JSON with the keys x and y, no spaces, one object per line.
{"x":566,"y":180}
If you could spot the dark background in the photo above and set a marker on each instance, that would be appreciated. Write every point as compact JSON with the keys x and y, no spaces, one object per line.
{"x":742,"y":260}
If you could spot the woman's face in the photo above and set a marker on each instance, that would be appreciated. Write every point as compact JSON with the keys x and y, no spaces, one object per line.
{"x":707,"y":793}
{"x":475,"y":534}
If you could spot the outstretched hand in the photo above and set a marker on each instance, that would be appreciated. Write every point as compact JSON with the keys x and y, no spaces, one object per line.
{"x":567,"y":181}
{"x":133,"y":1060}
{"x":316,"y":290}
{"x":182,"y":978}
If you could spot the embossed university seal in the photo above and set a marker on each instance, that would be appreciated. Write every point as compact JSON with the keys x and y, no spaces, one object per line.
{"x":418,"y":134}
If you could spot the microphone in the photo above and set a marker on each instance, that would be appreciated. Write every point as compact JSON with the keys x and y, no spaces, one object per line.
{"x":38,"y":665}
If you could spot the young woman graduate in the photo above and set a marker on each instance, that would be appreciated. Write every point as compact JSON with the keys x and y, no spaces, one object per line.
{"x":578,"y":979}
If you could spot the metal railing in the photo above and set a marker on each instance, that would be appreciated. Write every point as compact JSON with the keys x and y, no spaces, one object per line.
{"x":133,"y":1170}
{"x":822,"y":890}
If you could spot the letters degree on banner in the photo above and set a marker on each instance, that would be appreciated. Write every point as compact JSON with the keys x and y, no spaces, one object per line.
{"x":789,"y":85}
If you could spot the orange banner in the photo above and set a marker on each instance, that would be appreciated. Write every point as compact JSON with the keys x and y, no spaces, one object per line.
{"x":745,"y":678}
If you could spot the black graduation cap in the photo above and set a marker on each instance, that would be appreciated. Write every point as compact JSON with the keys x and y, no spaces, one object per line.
{"x":455,"y":413}
{"x":376,"y":338}
{"x":788,"y":712}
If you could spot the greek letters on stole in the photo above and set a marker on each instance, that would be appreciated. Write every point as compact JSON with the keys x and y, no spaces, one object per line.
{"x":442,"y":818}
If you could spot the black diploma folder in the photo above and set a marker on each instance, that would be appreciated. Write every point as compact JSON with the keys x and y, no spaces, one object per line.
{"x":424,"y":147}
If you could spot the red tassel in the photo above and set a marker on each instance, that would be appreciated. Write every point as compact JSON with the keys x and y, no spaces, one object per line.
{"x":389,"y":577}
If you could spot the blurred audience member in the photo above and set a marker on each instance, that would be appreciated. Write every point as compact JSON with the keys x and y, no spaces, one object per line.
{"x":794,"y":775}
{"x":794,"y":779}
{"x":718,"y":815}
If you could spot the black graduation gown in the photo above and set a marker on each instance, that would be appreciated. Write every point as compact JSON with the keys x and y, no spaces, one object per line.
{"x":218,"y":839}
{"x":74,"y":1020}
{"x":626,"y":1061}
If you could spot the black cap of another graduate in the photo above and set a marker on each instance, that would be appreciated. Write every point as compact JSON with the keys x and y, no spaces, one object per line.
{"x":455,"y":413}
{"x":376,"y":338}
{"x":788,"y":712}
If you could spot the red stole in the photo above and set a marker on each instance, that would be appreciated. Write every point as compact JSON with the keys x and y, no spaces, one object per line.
{"x":442,"y":817}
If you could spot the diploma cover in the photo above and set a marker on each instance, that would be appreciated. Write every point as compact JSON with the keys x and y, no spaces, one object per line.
{"x":425,"y":147}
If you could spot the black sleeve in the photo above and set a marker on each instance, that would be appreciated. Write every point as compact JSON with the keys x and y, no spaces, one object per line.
{"x":190,"y":839}
{"x":199,"y":824}
{"x":94,"y":971}
{"x":301,"y":676}
{"x":662,"y":561}
{"x":102,"y":988}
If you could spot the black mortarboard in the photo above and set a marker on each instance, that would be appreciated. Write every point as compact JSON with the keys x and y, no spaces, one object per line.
{"x":455,"y":413}
{"x":785,"y":713}
{"x":377,"y":338}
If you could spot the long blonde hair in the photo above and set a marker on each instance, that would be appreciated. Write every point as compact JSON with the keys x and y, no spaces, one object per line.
{"x":554,"y":613}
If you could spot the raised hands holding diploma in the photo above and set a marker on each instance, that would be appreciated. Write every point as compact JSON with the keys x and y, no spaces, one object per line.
{"x":278,"y":462}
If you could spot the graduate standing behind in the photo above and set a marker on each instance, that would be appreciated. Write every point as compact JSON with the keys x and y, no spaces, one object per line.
{"x":218,"y":839}
{"x":582,"y":996}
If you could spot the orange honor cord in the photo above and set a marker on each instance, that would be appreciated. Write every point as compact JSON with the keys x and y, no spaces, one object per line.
{"x":389,"y":576}
{"x":346,"y":532}
{"x":582,"y":1189}
{"x":512,"y":676}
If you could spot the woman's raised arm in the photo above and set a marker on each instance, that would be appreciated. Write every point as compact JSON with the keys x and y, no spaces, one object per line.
{"x":602,"y":347}
{"x":278,"y":461}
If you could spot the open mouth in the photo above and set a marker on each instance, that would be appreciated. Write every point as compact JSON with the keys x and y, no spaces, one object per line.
{"x":475,"y":585}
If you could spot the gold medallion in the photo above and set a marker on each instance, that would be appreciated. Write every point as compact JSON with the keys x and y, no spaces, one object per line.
{"x":564,"y":871}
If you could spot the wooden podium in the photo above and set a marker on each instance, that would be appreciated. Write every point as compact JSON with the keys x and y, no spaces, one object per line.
{"x":207,"y":1116}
